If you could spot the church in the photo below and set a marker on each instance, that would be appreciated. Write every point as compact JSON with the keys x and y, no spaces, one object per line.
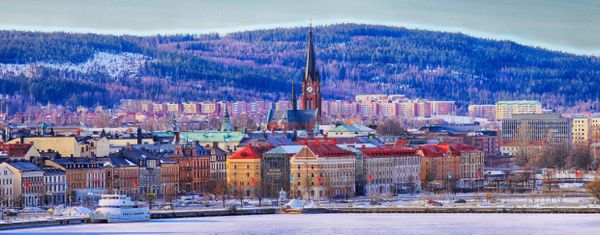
{"x":309,"y":113}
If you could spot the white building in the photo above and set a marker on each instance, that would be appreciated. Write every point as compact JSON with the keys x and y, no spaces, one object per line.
{"x":56,"y":186}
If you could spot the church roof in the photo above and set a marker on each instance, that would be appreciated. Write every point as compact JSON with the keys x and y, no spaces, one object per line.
{"x":293,"y":116}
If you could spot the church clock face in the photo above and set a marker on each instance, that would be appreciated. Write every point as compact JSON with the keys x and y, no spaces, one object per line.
{"x":309,"y":89}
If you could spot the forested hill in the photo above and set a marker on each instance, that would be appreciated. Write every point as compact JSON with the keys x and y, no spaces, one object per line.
{"x":353,"y":59}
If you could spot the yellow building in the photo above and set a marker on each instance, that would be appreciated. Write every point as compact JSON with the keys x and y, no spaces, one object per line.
{"x":321,"y":171}
{"x":505,"y":109}
{"x":173,"y":107}
{"x":406,"y":110}
{"x":371,"y":98}
{"x":580,"y":131}
{"x":244,"y":171}
{"x":208,"y":107}
{"x":67,"y":146}
{"x":595,"y":128}
{"x":191,"y":108}
{"x":157,"y":107}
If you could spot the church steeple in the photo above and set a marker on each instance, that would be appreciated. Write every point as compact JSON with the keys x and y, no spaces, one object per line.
{"x":311,"y":67}
{"x":226,"y":125}
{"x":294,"y":102}
{"x":311,"y":85}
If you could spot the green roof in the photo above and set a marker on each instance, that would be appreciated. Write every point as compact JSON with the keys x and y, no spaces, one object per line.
{"x":205,"y":136}
{"x":351,"y":128}
{"x":212,"y":136}
{"x":519,"y":102}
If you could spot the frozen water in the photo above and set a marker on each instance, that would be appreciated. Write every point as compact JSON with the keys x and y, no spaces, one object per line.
{"x":350,"y":224}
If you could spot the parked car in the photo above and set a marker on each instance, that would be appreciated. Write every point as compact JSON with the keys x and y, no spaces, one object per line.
{"x":11,"y":212}
{"x":460,"y":201}
{"x":434,"y":203}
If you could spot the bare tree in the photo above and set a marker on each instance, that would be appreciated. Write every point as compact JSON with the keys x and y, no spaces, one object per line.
{"x":390,"y":127}
{"x":594,"y":189}
{"x":523,"y":156}
{"x":580,"y":158}
{"x":554,"y":156}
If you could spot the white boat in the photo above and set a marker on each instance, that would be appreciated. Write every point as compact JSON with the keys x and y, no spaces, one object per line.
{"x":115,"y":208}
{"x":294,"y":206}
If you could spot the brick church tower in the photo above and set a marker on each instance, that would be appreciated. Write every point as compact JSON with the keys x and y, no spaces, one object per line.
{"x":311,"y":84}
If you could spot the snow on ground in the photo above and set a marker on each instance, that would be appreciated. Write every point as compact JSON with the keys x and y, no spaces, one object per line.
{"x":349,"y":224}
{"x":115,"y":65}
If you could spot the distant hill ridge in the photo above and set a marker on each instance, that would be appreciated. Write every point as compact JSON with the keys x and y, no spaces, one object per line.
{"x":352,"y":58}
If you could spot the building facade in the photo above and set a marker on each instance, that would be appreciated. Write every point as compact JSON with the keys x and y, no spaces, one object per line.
{"x":55,"y":181}
{"x":244,"y":171}
{"x":276,"y":169}
{"x":550,"y":128}
{"x":322,"y":171}
{"x":391,"y":170}
{"x":505,"y":109}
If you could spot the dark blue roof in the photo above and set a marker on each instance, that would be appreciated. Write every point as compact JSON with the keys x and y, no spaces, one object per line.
{"x":25,"y":166}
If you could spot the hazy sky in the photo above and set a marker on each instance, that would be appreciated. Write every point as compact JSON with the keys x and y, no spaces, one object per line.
{"x":566,"y":25}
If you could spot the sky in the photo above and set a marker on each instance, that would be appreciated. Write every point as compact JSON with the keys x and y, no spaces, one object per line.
{"x":563,"y":25}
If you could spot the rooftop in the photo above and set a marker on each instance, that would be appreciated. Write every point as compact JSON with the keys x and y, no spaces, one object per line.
{"x":513,"y":102}
{"x":25,"y":166}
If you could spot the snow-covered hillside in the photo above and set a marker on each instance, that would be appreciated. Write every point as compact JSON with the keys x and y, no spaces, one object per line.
{"x":115,"y":65}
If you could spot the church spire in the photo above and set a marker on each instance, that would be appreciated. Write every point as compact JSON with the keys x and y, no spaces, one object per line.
{"x":226,"y":125}
{"x":311,"y":69}
{"x":294,"y":102}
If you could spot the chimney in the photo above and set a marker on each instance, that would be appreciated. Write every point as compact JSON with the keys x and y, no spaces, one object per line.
{"x":316,"y":140}
{"x":177,"y":137}
{"x":215,"y":145}
{"x":306,"y":141}
{"x":139,"y":135}
{"x":325,"y":137}
{"x":22,"y":140}
{"x":333,"y":141}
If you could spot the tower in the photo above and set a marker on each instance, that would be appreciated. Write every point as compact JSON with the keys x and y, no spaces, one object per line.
{"x":294,"y":102}
{"x":226,"y":124}
{"x":311,"y":84}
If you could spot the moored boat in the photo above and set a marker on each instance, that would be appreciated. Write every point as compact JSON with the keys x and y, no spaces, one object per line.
{"x":115,"y":208}
{"x":294,"y":206}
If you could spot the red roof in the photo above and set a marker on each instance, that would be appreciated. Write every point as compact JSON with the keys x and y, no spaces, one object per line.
{"x":15,"y":150}
{"x":388,"y":151}
{"x":251,"y":152}
{"x":440,"y":150}
{"x":328,"y":150}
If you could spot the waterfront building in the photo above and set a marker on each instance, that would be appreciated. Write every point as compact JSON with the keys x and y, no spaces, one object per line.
{"x":451,"y":166}
{"x":149,"y":167}
{"x":322,"y":171}
{"x":86,"y":178}
{"x":194,"y":167}
{"x":276,"y":169}
{"x":122,"y":176}
{"x":27,"y":182}
{"x":244,"y":171}
{"x":55,"y":181}
{"x":169,"y":179}
{"x":391,"y":170}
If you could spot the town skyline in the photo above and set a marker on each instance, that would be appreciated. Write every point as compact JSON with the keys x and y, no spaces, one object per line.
{"x":340,"y":123}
